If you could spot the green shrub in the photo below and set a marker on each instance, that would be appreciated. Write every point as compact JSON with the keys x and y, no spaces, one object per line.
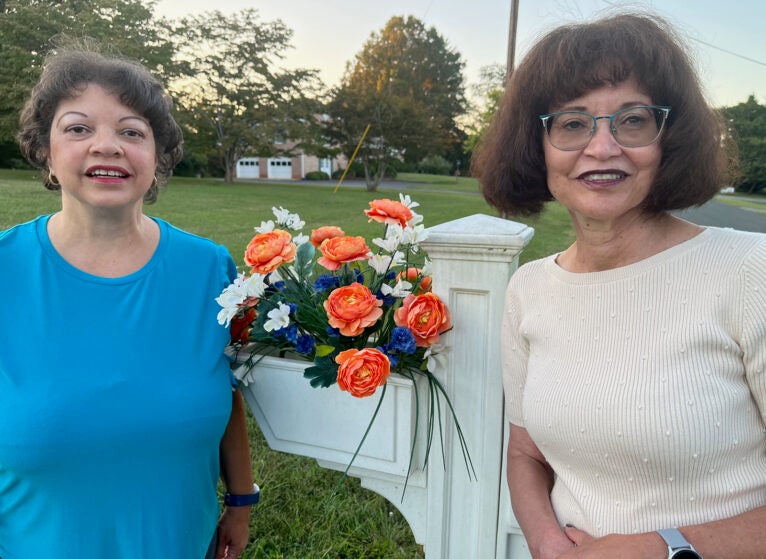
{"x":434,"y":165}
{"x":317,"y":176}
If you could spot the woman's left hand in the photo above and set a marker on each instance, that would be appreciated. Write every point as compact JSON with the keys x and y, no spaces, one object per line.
{"x":625,"y":546}
{"x":233,"y":531}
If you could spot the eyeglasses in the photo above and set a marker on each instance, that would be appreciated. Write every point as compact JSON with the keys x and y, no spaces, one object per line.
{"x":632,"y":127}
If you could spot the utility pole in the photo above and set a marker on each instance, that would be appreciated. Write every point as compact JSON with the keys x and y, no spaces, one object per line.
{"x":511,"y":60}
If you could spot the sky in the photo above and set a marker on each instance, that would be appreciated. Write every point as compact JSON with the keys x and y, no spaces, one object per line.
{"x":328,"y":33}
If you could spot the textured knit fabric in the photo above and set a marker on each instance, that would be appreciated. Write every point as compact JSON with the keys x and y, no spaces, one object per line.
{"x":114,"y":396}
{"x":645,"y":386}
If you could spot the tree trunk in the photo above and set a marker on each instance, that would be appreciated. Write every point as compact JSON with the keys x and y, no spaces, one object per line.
{"x":370,"y":180}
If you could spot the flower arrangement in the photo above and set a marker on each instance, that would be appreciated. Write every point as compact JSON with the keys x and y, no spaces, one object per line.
{"x":355,"y":314}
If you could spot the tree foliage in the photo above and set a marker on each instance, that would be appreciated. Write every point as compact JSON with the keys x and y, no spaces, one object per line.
{"x":407,"y":84}
{"x":747,"y":125}
{"x":490,"y":89}
{"x":231,"y":93}
{"x":30,"y":29}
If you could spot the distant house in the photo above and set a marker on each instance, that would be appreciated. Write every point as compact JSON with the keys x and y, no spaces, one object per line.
{"x":295,"y":167}
{"x":286,"y":167}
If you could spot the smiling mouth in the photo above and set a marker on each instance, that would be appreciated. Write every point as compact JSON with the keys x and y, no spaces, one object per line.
{"x":603,"y":177}
{"x":106,"y":173}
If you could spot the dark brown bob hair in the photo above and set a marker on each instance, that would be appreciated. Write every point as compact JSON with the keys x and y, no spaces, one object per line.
{"x":67,"y":73}
{"x":573,"y":60}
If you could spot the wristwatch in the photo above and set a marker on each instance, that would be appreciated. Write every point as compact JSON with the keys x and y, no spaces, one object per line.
{"x":243,"y":500}
{"x":678,"y":547}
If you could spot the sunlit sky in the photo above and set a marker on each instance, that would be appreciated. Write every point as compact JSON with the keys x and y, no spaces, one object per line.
{"x":328,"y":33}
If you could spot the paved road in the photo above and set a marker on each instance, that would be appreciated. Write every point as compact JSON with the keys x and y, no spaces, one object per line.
{"x":717,"y":214}
{"x":714,"y":213}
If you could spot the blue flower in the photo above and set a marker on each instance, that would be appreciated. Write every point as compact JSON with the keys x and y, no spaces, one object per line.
{"x":390,"y":275}
{"x":278,"y":285}
{"x":305,"y":344}
{"x":402,"y":340}
{"x":392,"y":359}
{"x":291,"y":333}
{"x":293,"y":308}
{"x":334,"y":332}
{"x":326,"y":281}
{"x":388,"y":300}
{"x":359,"y":276}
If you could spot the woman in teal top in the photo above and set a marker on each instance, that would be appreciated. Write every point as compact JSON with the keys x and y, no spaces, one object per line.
{"x":116,"y":405}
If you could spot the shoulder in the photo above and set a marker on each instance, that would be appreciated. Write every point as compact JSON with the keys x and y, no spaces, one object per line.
{"x":22,"y":230}
{"x":738,"y":243}
{"x":530,"y":273}
{"x":195,"y":251}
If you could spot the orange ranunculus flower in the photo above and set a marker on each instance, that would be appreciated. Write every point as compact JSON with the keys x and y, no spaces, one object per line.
{"x":240,"y":324}
{"x":426,"y":317}
{"x":339,"y":250}
{"x":389,"y":211}
{"x":361,"y":371}
{"x":352,"y":308}
{"x":327,"y":232}
{"x":411,"y":275}
{"x":266,"y":251}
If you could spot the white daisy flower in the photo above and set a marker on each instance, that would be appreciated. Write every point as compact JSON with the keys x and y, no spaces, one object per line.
{"x":435,"y":357}
{"x":400,"y":290}
{"x":236,"y":293}
{"x":381,"y":263}
{"x":300,"y":239}
{"x":278,"y":318}
{"x":407,"y":201}
{"x":389,"y":244}
{"x":265,"y":227}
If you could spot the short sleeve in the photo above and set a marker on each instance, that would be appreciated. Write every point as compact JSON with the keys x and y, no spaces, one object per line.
{"x":753,"y":342}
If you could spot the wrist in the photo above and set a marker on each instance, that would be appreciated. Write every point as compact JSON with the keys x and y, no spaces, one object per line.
{"x":243,"y":499}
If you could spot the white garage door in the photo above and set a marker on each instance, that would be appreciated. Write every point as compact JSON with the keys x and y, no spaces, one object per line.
{"x":247,"y":168}
{"x":280,"y":168}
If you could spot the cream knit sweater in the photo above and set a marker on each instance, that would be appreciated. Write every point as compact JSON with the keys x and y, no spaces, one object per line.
{"x":645,"y":386}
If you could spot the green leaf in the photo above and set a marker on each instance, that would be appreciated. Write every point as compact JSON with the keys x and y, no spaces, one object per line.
{"x":304,"y":259}
{"x":324,"y":350}
{"x":323,"y":373}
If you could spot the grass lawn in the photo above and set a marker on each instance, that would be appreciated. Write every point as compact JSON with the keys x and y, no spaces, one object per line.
{"x":298,"y":517}
{"x":756,"y":203}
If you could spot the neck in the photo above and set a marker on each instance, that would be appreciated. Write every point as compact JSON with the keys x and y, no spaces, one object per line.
{"x":107,"y":246}
{"x":605,"y":248}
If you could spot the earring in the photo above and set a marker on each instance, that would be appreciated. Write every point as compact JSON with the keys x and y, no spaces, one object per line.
{"x":154,"y":183}
{"x":52,"y":180}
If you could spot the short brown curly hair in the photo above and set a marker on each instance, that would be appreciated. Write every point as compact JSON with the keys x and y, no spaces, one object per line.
{"x":66,"y":73}
{"x":573,"y":60}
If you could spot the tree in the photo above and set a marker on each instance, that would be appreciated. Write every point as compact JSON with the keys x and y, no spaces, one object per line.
{"x":490,"y":89}
{"x":32,"y":28}
{"x":747,"y":125}
{"x":407,"y":83}
{"x":230,"y":90}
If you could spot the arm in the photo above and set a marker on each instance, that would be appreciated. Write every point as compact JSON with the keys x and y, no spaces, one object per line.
{"x":738,"y":537}
{"x":237,"y":475}
{"x":530,"y":480}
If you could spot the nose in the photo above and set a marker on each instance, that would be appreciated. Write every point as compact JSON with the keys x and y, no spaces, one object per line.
{"x":106,"y":142}
{"x":602,"y":144}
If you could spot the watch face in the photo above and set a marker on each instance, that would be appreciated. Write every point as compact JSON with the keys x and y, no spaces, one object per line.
{"x":686,"y":554}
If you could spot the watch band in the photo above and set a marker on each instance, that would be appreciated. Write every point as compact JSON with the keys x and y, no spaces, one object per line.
{"x":677,"y":543}
{"x":243,"y":500}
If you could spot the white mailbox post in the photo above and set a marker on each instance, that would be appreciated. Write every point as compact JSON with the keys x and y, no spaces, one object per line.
{"x":451,"y":514}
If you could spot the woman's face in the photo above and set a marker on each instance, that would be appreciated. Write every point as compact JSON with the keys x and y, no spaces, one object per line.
{"x":101,"y":151}
{"x":603,"y":184}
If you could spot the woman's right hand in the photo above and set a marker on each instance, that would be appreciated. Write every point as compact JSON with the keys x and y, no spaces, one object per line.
{"x":552,"y":544}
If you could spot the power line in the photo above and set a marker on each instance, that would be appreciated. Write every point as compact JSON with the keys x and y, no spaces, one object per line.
{"x":712,"y":46}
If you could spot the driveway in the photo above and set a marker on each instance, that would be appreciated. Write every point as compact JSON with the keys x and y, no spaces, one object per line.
{"x":718,"y":214}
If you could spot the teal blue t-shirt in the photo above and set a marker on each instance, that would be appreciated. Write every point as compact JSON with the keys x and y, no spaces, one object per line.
{"x":114,"y":396}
